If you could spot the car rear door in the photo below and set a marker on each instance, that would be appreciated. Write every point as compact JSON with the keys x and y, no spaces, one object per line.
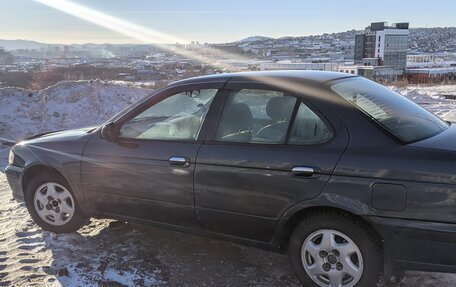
{"x":270,"y":149}
{"x":148,"y":171}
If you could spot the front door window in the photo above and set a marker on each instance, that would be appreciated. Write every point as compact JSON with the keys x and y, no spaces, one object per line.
{"x":178,"y":117}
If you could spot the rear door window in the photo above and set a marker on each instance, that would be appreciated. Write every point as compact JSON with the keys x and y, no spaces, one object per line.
{"x":256,"y":116}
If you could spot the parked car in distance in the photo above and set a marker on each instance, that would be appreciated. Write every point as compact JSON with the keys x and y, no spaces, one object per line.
{"x":349,"y":178}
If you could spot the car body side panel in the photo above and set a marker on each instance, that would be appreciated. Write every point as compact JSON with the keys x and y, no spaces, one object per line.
{"x":428,"y":178}
{"x":443,"y":141}
{"x":405,"y":163}
{"x":417,"y":245}
{"x":236,"y":174}
{"x":424,"y":200}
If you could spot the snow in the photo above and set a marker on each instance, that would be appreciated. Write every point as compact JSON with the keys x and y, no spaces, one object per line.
{"x":433,"y":99}
{"x":96,"y":255}
{"x":101,"y":254}
{"x":64,"y":105}
{"x":128,"y":279}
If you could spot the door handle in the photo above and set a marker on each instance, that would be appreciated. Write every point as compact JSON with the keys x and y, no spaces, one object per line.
{"x":302,"y":171}
{"x":178,"y":160}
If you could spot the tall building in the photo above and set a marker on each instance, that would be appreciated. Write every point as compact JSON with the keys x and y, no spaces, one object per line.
{"x":5,"y":57}
{"x":383,"y":45}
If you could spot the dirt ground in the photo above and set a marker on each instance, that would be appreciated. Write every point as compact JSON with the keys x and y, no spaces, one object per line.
{"x":106,"y":253}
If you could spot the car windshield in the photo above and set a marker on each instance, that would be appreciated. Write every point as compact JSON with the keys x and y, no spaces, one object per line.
{"x":400,"y":116}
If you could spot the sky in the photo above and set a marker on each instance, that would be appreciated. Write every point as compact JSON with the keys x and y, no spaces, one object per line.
{"x":213,"y":21}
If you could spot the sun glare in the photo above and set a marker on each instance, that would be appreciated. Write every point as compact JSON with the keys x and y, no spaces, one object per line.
{"x":115,"y":24}
{"x":139,"y":33}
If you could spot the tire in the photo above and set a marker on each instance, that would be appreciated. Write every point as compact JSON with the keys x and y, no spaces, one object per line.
{"x":64,"y":208}
{"x":350,"y":236}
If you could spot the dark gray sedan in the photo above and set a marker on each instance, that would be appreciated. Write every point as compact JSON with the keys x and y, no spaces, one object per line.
{"x":348,"y":177}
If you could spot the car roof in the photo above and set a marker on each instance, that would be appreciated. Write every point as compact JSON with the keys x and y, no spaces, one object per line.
{"x":311,"y":77}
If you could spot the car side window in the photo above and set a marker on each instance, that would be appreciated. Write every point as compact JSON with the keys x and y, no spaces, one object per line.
{"x":308,"y":128}
{"x":178,"y":117}
{"x":256,"y":116}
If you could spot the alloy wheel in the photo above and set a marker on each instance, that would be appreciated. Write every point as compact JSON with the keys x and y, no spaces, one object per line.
{"x":54,"y":203}
{"x":332,"y":259}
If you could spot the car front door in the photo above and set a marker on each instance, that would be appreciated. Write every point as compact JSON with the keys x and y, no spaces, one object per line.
{"x":147,"y":171}
{"x":271,"y":149}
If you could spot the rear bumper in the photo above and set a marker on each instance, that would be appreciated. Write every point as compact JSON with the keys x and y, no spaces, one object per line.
{"x":418,"y":245}
{"x":14,"y":177}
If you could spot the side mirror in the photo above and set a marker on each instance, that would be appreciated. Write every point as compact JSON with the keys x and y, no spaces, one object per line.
{"x":110,"y":132}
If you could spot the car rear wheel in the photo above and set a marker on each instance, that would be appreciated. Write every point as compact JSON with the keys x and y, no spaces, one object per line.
{"x":52,"y":205}
{"x":331,"y":249}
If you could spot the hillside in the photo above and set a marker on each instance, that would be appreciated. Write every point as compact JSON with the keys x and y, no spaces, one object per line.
{"x":21,"y":44}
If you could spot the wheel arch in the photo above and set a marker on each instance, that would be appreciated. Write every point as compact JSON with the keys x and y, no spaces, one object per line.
{"x":307,"y":220}
{"x":31,"y":175}
{"x":291,"y":221}
{"x":38,"y":168}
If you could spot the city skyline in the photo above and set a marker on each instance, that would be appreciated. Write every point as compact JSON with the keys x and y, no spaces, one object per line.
{"x":50,"y":21}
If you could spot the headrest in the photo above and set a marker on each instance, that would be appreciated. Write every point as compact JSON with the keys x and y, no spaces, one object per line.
{"x":239,"y":116}
{"x":280,"y":108}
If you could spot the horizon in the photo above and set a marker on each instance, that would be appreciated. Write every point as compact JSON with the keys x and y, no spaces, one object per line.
{"x":251,"y":36}
{"x":57,"y":22}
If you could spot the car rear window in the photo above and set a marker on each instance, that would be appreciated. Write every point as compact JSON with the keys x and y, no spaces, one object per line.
{"x":399,"y":115}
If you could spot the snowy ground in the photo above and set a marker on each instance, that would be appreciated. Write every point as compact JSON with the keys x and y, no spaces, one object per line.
{"x":440,"y":100}
{"x":105,"y":253}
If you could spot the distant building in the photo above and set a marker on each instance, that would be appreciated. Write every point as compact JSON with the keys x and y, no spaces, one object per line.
{"x":5,"y":57}
{"x":299,"y":66}
{"x":424,"y":68}
{"x":421,"y":60}
{"x":349,"y":69}
{"x":383,"y":45}
{"x":424,"y":75}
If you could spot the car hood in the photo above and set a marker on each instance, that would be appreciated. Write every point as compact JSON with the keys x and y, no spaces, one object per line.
{"x":443,"y":141}
{"x":59,"y":135}
{"x":57,"y":149}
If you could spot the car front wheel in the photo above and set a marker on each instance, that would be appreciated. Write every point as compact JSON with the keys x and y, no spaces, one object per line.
{"x":52,"y":205}
{"x":331,"y":249}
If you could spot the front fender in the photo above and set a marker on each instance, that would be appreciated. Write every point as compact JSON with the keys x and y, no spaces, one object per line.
{"x":62,"y":155}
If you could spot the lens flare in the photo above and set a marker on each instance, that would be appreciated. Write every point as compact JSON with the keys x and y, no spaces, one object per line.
{"x":142,"y":34}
